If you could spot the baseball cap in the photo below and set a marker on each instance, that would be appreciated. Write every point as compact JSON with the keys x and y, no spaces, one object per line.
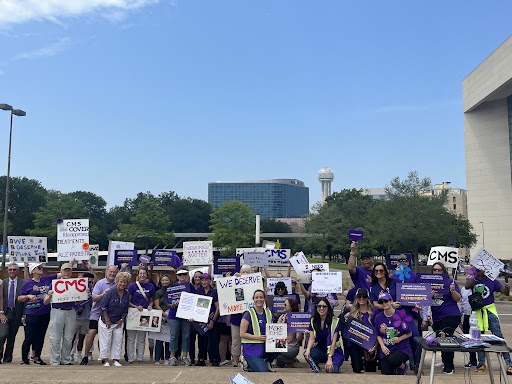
{"x":205,"y":276}
{"x":366,"y":255}
{"x":31,"y":267}
{"x":362,"y":292}
{"x":385,"y":296}
{"x":65,"y":266}
{"x":182,"y":272}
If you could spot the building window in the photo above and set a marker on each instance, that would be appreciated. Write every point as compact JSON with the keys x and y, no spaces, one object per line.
{"x":454,"y":207}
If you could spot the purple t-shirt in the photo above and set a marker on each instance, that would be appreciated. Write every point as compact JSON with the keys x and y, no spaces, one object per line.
{"x":447,"y":306}
{"x":487,"y":287}
{"x":362,"y":278}
{"x":386,"y":330}
{"x":39,"y":289}
{"x":376,"y":290}
{"x":351,"y":294}
{"x":254,"y":349}
{"x":137,"y":298}
{"x":236,"y":319}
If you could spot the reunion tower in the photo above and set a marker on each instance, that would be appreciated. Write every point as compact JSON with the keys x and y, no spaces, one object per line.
{"x":325,"y":177}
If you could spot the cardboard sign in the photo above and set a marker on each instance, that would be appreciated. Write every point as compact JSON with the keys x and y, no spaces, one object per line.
{"x":412,"y":294}
{"x":298,"y":321}
{"x":326,"y":282}
{"x":226,"y":265}
{"x":277,"y":337}
{"x":355,"y":235}
{"x":486,"y":262}
{"x":447,"y":255}
{"x":197,"y":253}
{"x":235,"y":293}
{"x":144,"y":320}
{"x":194,"y":306}
{"x":128,"y":256}
{"x":304,"y":271}
{"x":114,"y":246}
{"x":359,"y":333}
{"x":27,"y":248}
{"x":73,"y":240}
{"x":94,"y":250}
{"x":163,"y":335}
{"x":66,"y":290}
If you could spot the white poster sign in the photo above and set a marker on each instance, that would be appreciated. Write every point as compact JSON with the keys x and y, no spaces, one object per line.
{"x":66,"y":290}
{"x":163,"y":335}
{"x":449,"y":256}
{"x":194,"y":306}
{"x":297,"y":259}
{"x":276,"y":340}
{"x":256,"y":259}
{"x":276,"y":257}
{"x":272,"y":281}
{"x":73,"y":240}
{"x":27,"y":248}
{"x":94,"y":250}
{"x":197,"y":253}
{"x":144,"y":320}
{"x":486,"y":262}
{"x":235,"y":293}
{"x":239,"y":379}
{"x":304,"y":271}
{"x":114,"y":246}
{"x":326,"y":282}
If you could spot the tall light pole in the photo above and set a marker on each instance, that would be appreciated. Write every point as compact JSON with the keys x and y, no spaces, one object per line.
{"x":17,"y":112}
{"x":483,"y":234}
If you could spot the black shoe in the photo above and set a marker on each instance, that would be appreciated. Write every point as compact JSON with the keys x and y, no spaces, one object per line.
{"x":215,"y":364}
{"x":66,"y":364}
{"x":85,"y":361}
{"x":38,"y":361}
{"x":8,"y":361}
{"x":192,"y":361}
{"x":200,"y":363}
{"x":25,"y":362}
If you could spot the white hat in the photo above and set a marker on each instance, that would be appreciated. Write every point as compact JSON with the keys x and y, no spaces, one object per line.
{"x":33,"y":266}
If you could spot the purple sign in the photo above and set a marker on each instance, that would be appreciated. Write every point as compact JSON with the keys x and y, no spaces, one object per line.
{"x":440,"y":285}
{"x":277,"y":303}
{"x":174,"y":293}
{"x":298,"y":321}
{"x":412,"y":294}
{"x":145,"y":259}
{"x":355,"y":234}
{"x":392,"y":260}
{"x":226,"y":265}
{"x":201,"y":328}
{"x":359,"y":333}
{"x":128,"y":256}
{"x":166,"y":258}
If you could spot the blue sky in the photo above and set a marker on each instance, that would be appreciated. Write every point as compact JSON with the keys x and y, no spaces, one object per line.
{"x":124,"y":96}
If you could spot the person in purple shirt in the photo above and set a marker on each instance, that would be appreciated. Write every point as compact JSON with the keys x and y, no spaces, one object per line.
{"x":381,"y":282}
{"x":37,"y":313}
{"x":235,"y":320}
{"x":361,"y":276}
{"x":392,"y":337}
{"x":142,"y":293}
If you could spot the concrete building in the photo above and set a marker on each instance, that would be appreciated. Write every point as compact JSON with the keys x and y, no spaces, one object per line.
{"x":487,"y":102}
{"x":456,"y":200}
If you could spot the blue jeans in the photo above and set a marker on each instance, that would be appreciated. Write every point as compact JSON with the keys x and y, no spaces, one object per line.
{"x":259,"y":364}
{"x":320,"y":357}
{"x":175,"y":326}
{"x":494,"y":327}
{"x":161,"y":350}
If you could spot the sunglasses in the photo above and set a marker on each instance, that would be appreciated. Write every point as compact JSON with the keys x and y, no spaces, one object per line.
{"x":362,"y":296}
{"x":378,"y":270}
{"x":402,"y":261}
{"x":39,"y":267}
{"x":12,"y":270}
{"x":384,"y":301}
{"x":321,"y":306}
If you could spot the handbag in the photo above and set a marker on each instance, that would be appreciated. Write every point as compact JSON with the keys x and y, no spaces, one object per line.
{"x":476,"y":301}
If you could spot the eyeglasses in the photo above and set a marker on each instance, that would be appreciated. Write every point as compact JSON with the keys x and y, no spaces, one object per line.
{"x":378,"y":270}
{"x":321,"y":306}
{"x":437,"y":269}
{"x":362,"y":296}
{"x":384,"y":301}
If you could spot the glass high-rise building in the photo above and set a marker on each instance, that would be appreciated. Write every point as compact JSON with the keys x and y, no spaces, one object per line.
{"x":276,"y":198}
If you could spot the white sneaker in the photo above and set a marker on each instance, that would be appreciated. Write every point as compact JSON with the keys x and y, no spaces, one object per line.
{"x":78,"y":357}
{"x":106,"y":364}
{"x":225,"y":362}
{"x":157,"y":363}
{"x":440,"y":365}
{"x":173,"y":362}
{"x":166,"y":362}
{"x":117,"y":364}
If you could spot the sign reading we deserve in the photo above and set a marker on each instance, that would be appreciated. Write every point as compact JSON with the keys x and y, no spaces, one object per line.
{"x":197,"y":253}
{"x":235,"y":293}
{"x":488,"y":263}
{"x":73,"y":240}
{"x":26,"y":248}
{"x":449,"y":256}
{"x":66,"y":290}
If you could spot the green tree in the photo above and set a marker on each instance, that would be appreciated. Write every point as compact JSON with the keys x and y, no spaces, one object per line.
{"x":187,"y":214}
{"x":233,"y":227}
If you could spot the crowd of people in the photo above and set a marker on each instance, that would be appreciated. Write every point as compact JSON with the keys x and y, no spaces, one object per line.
{"x":238,"y":339}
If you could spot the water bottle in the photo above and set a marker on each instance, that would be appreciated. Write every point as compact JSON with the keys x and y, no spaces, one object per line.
{"x":474,"y":331}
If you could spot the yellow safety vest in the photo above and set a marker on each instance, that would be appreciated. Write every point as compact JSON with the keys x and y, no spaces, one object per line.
{"x":256,"y":325}
{"x":334,"y":324}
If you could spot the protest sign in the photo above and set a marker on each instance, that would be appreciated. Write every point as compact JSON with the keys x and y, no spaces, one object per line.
{"x":239,"y":379}
{"x":326,"y":282}
{"x":297,"y":259}
{"x":276,"y":303}
{"x":200,"y":328}
{"x":235,"y":293}
{"x":359,"y":333}
{"x":116,"y":246}
{"x":256,"y":259}
{"x":144,"y":320}
{"x":128,"y":256}
{"x":355,"y":235}
{"x":226,"y":265}
{"x":73,"y":240}
{"x":27,"y":248}
{"x":276,"y":338}
{"x":298,"y":321}
{"x":449,"y":256}
{"x":486,"y":262}
{"x":276,"y":257}
{"x":66,"y":290}
{"x":94,"y":250}
{"x":197,"y":253}
{"x":165,"y":258}
{"x":440,"y":285}
{"x":163,"y":335}
{"x":392,"y":260}
{"x":304,"y":271}
{"x":173,"y":293}
{"x":194,"y":306}
{"x":412,"y":294}
{"x":272,"y":281}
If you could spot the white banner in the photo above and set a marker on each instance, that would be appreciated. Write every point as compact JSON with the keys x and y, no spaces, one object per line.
{"x":449,"y":256}
{"x":73,"y":240}
{"x":276,"y":257}
{"x":304,"y":271}
{"x":235,"y":293}
{"x":27,"y":248}
{"x":194,"y":306}
{"x":486,"y":262}
{"x":272,"y":281}
{"x":114,"y":246}
{"x":144,"y":320}
{"x":197,"y":253}
{"x":66,"y":290}
{"x":326,"y":282}
{"x":94,"y":250}
{"x":276,"y":338}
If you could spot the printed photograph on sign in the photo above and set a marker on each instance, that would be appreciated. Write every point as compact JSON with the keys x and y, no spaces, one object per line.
{"x":27,"y":248}
{"x":144,"y":320}
{"x":197,"y":253}
{"x":194,"y":306}
{"x":276,"y":338}
{"x":94,"y":250}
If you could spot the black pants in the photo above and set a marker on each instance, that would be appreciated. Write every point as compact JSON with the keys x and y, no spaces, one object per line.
{"x":35,"y":331}
{"x":358,"y":361}
{"x":390,"y":363}
{"x":465,"y":329}
{"x":209,"y":343}
{"x":14,"y":326}
{"x":448,"y":325}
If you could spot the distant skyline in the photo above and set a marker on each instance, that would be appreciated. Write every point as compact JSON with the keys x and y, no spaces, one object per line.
{"x":168,"y":95}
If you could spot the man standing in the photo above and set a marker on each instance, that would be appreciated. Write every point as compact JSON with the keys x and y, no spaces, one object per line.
{"x":361,"y":276}
{"x":12,"y":309}
{"x":100,"y":289}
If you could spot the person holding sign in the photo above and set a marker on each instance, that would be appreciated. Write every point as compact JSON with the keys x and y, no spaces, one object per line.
{"x":252,"y":332}
{"x":287,"y":359}
{"x":487,"y":315}
{"x":381,"y":282}
{"x":162,"y":348}
{"x":114,"y":308}
{"x":322,"y":330}
{"x":209,"y":342}
{"x":142,"y":293}
{"x":235,"y":320}
{"x":361,"y":276}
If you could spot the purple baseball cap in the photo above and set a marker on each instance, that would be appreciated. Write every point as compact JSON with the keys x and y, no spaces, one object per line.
{"x":205,"y":276}
{"x":385,"y":296}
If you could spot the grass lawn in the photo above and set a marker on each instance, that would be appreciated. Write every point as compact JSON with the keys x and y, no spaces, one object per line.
{"x":332,"y":264}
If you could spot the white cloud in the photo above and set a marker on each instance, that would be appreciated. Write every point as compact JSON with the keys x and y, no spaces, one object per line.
{"x":49,"y":50}
{"x":22,"y":11}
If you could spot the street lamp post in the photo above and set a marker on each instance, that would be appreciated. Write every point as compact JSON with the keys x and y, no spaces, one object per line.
{"x":17,"y":112}
{"x":483,"y":234}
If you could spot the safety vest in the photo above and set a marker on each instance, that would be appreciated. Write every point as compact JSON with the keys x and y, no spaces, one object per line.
{"x":256,"y":325}
{"x":334,"y":324}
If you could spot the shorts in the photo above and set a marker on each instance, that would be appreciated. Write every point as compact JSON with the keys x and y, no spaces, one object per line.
{"x":93,"y":324}
{"x":82,"y":326}
{"x":224,"y":329}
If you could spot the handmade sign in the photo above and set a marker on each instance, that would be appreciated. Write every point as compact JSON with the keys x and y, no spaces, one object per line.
{"x":488,"y":263}
{"x":276,"y":257}
{"x":94,"y":250}
{"x":66,"y":290}
{"x":359,"y":333}
{"x":73,"y":239}
{"x":197,"y":253}
{"x":128,"y":256}
{"x":326,"y":282}
{"x":297,"y":259}
{"x":412,"y":294}
{"x":114,"y":246}
{"x":192,"y":272}
{"x":27,"y":248}
{"x":144,"y":320}
{"x":235,"y":293}
{"x":276,"y":340}
{"x":298,"y":321}
{"x":272,"y":281}
{"x":449,"y":256}
{"x":194,"y":306}
{"x":226,"y":265}
{"x":304,"y":271}
{"x":256,"y":259}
